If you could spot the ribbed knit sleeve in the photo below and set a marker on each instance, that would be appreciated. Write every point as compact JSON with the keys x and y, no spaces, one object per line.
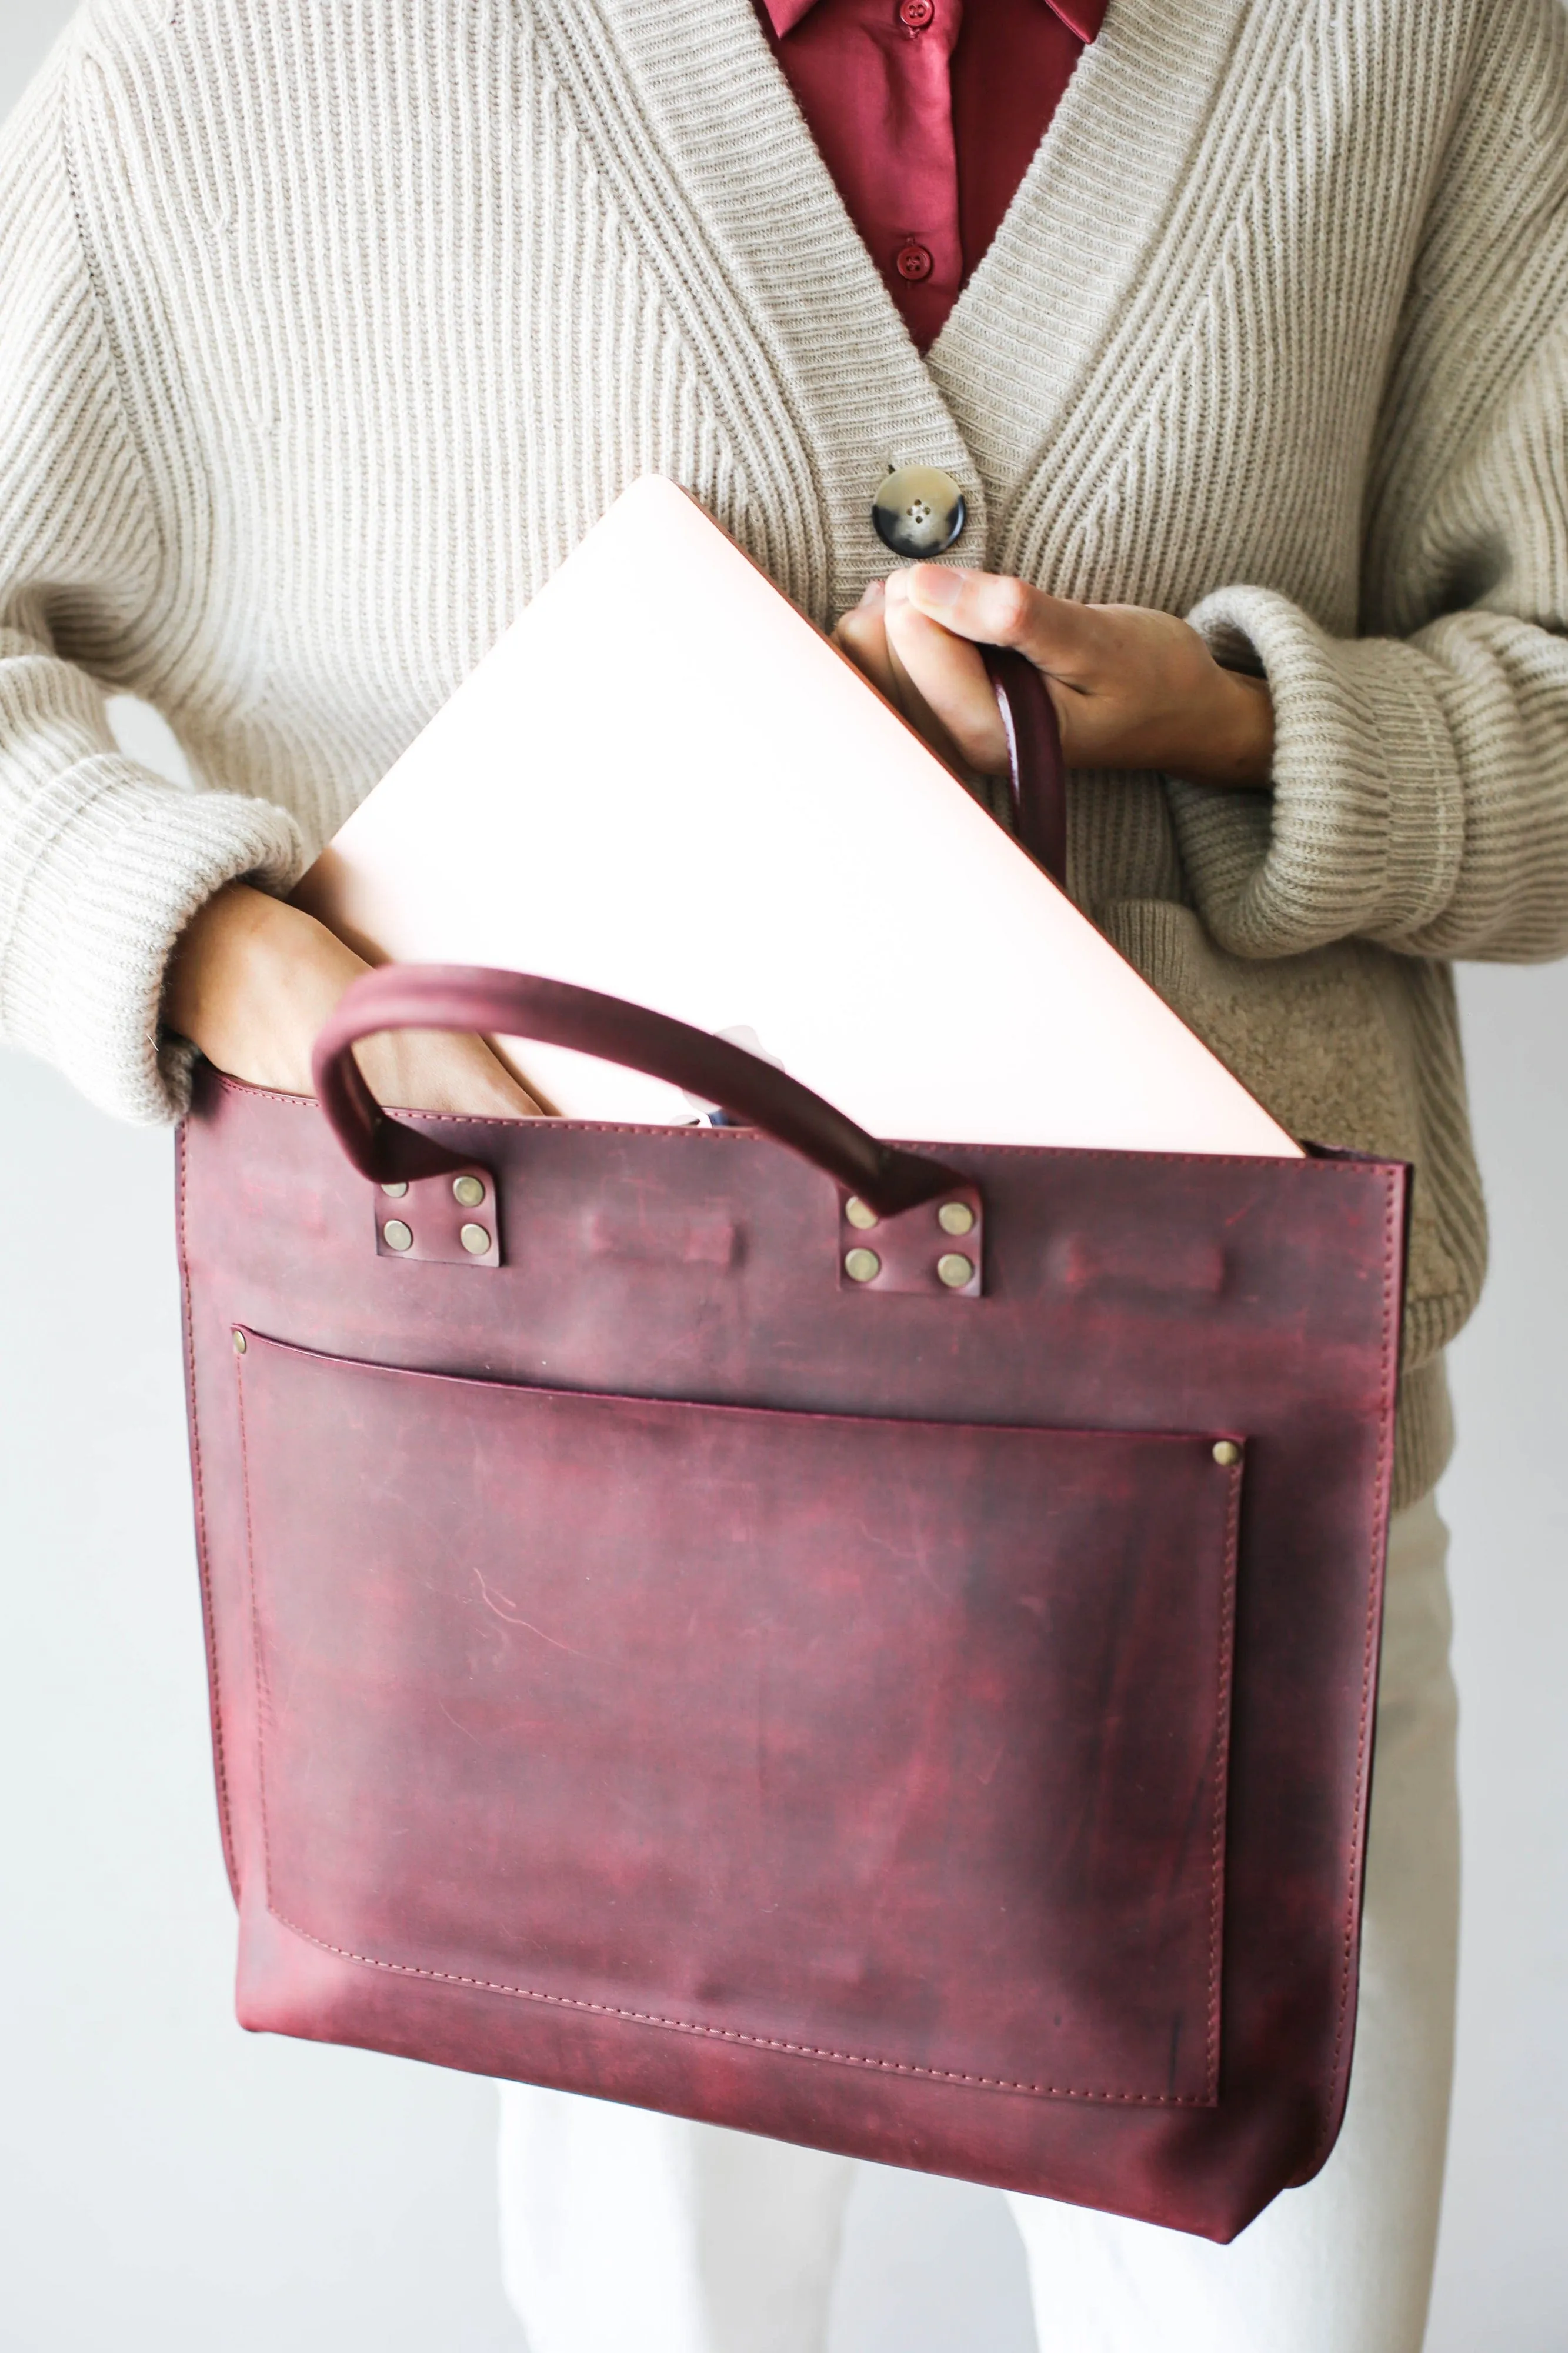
{"x":102,"y":864}
{"x":1421,"y":771}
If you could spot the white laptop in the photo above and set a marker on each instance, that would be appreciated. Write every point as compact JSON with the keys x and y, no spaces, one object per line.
{"x":665,"y":784}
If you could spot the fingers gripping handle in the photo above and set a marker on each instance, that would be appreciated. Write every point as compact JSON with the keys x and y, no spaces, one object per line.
{"x":1037,"y":774}
{"x":514,"y":1005}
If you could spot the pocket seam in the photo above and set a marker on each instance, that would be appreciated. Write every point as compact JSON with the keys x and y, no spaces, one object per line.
{"x":735,"y":2035}
{"x":1208,"y":2099}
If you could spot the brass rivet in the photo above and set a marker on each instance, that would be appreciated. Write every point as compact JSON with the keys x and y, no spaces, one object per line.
{"x":862,"y":1265}
{"x":395,"y":1192}
{"x":397,"y":1235}
{"x":859,"y":1213}
{"x":1226,"y":1453}
{"x":953,"y":1269}
{"x":475,"y":1239}
{"x":467,"y":1192}
{"x":240,"y":1343}
{"x":955,"y":1217}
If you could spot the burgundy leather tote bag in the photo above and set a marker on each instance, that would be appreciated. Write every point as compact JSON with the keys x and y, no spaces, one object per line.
{"x":871,"y":1645}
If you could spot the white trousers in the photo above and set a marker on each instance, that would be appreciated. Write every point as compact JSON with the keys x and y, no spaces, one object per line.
{"x":627,"y":2232}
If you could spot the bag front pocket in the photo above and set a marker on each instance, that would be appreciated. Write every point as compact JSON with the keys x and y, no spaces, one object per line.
{"x":899,"y":1745}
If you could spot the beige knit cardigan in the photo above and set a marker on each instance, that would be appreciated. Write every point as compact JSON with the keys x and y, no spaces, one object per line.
{"x":328,"y":327}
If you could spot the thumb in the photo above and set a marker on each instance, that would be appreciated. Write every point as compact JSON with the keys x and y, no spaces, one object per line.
{"x":990,"y":608}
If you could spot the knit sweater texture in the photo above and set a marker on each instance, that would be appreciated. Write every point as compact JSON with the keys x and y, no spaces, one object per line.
{"x":328,"y":327}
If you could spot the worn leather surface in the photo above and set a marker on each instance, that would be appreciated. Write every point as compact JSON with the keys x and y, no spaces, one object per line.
{"x":768,"y":1905}
{"x":726,"y":1717}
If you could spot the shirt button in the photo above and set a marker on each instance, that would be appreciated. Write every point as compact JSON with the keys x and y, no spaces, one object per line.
{"x":916,"y":14}
{"x":918,"y":511}
{"x":914,"y":262}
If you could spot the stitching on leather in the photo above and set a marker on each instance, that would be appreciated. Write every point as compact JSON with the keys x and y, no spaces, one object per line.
{"x":1358,"y":1857}
{"x":745,"y":1137}
{"x":257,"y":1670}
{"x":1221,"y":1780}
{"x":730,"y":2034}
{"x":797,"y":1413}
{"x":764,"y":2042}
{"x":209,"y":1622}
{"x":742,"y":1135}
{"x":733,"y":2034}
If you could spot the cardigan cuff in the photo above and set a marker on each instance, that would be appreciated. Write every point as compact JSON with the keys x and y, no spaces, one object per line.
{"x":107,"y":866}
{"x":1365,"y":830}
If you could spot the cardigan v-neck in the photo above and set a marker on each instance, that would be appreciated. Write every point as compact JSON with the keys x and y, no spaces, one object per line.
{"x":1005,"y":377}
{"x":927,"y":114}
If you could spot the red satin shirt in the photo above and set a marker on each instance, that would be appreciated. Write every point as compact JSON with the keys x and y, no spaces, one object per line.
{"x":927,"y":112}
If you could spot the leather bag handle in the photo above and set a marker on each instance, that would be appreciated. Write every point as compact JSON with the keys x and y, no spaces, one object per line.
{"x":1037,"y":777}
{"x":516,"y":1005}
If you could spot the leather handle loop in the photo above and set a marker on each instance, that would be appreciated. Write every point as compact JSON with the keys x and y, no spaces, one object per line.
{"x":515,"y":1005}
{"x":1036,"y":776}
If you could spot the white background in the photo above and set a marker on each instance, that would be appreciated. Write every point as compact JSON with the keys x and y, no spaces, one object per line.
{"x":169,"y":2183}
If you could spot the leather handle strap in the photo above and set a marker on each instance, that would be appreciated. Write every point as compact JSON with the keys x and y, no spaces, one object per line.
{"x":1036,"y":776}
{"x":515,"y":1005}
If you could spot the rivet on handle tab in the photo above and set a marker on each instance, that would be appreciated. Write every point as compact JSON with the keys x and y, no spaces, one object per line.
{"x":453,"y":1219}
{"x":937,"y":1248}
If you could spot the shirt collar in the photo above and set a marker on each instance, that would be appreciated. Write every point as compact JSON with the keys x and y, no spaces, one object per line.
{"x":1083,"y":18}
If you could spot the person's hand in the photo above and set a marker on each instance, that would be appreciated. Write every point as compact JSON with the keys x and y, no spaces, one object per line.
{"x":1132,"y":689}
{"x":252,"y":982}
